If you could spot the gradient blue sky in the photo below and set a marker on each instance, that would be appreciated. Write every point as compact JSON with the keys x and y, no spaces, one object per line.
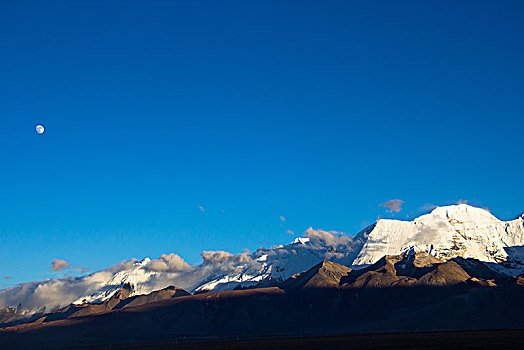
{"x":317,"y":111}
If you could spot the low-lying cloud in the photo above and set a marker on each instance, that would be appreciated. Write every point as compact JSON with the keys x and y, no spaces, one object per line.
{"x":123,"y":265}
{"x":219,"y":262}
{"x":429,"y":234}
{"x":170,"y":262}
{"x":331,"y":238}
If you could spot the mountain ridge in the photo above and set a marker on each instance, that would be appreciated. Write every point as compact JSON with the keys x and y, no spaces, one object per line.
{"x":406,"y":292}
{"x":450,"y":232}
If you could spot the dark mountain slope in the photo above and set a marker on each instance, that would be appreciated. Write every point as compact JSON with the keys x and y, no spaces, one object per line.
{"x":418,"y":269}
{"x":478,"y":269}
{"x":326,"y":274}
{"x":119,"y":300}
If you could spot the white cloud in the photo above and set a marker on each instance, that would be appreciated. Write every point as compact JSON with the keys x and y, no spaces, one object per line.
{"x":429,"y":234}
{"x":123,"y":265}
{"x":331,"y":238}
{"x":171,"y":262}
{"x":53,"y":293}
{"x":214,"y":257}
{"x":221,"y":261}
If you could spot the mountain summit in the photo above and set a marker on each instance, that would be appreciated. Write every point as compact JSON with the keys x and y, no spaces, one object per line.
{"x":447,"y":232}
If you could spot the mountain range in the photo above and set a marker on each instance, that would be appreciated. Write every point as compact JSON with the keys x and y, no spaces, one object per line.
{"x":447,"y":233}
{"x":398,"y":293}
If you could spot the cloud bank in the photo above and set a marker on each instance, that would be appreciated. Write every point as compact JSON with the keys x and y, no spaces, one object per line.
{"x":171,"y":262}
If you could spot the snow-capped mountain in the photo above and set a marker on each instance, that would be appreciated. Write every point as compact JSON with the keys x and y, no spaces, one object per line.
{"x":446,"y":232}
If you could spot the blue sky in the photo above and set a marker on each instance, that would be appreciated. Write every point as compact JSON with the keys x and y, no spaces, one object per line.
{"x":253,"y":110}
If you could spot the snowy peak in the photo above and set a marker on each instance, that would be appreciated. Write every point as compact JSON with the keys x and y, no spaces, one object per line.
{"x":447,"y":232}
{"x":460,"y":213}
{"x":300,"y":240}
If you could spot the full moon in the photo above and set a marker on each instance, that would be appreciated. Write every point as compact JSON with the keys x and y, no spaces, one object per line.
{"x":40,"y":129}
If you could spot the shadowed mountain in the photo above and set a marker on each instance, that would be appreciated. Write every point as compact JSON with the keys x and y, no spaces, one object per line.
{"x":327,"y":274}
{"x":408,"y":269}
{"x":166,"y":293}
{"x":478,"y":269}
{"x":8,"y":314}
{"x":119,"y":300}
{"x":268,"y":282}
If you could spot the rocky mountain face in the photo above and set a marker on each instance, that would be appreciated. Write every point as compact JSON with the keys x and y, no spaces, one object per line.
{"x":456,"y":234}
{"x":327,"y":274}
{"x":418,"y":269}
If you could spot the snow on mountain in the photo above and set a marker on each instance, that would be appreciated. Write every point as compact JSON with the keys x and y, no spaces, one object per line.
{"x":219,"y":270}
{"x":282,"y":261}
{"x":446,"y":232}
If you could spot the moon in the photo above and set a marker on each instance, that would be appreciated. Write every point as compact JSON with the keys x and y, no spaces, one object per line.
{"x":40,"y":129}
